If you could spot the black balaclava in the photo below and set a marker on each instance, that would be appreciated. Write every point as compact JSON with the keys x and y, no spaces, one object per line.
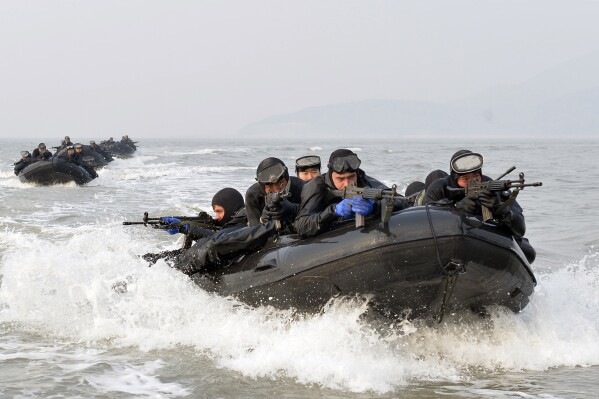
{"x":231,"y":200}
{"x":434,"y":175}
{"x":454,"y":175}
{"x":414,"y":187}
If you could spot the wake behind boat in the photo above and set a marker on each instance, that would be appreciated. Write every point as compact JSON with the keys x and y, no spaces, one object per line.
{"x":425,"y":261}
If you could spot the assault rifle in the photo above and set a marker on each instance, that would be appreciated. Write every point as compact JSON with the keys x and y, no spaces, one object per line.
{"x":386,"y":196}
{"x":474,"y":188}
{"x":203,"y":220}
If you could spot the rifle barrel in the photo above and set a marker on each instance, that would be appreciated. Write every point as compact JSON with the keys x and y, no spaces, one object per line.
{"x":535,"y":184}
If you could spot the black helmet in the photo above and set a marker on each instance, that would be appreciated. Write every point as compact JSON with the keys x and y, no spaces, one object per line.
{"x":25,"y":154}
{"x":271,"y":170}
{"x":92,"y":142}
{"x":306,"y":162}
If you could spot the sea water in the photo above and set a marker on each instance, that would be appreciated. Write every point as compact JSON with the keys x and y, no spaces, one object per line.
{"x":83,"y":316}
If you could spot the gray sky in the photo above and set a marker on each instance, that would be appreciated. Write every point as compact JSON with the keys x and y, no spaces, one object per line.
{"x":204,"y":69}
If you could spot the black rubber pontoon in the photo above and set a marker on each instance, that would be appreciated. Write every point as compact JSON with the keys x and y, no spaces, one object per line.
{"x":425,"y":261}
{"x":118,"y":149}
{"x":54,"y":171}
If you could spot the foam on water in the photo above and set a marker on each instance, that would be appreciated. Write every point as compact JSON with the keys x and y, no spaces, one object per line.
{"x":80,"y":291}
{"x":136,"y":380}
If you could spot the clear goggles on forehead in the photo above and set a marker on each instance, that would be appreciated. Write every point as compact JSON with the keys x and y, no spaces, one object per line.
{"x":348,"y":163}
{"x":467,"y":163}
{"x":307,"y":161}
{"x":271,"y":174}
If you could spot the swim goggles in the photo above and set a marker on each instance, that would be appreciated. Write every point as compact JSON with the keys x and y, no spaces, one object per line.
{"x":348,"y":163}
{"x":467,"y":163}
{"x":271,"y":174}
{"x":307,"y":162}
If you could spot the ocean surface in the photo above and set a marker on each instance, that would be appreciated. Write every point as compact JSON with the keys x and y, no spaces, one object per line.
{"x":68,"y":331}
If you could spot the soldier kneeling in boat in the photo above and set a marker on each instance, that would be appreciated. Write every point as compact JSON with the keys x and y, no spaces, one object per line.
{"x":229,"y":210}
{"x":40,"y":153}
{"x":320,"y":209}
{"x":271,"y":206}
{"x":24,"y":162}
{"x":466,"y":166}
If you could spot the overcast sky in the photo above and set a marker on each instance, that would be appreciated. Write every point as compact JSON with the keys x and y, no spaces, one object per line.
{"x":204,"y":69}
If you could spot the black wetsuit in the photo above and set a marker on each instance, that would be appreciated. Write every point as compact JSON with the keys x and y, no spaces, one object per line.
{"x":317,"y":210}
{"x":212,"y":252}
{"x":202,"y":237}
{"x":75,"y":158}
{"x":255,"y":201}
{"x":63,"y":145}
{"x":439,"y":190}
{"x":22,"y":164}
{"x":196,"y":232}
{"x":36,"y":155}
{"x":129,"y":142}
{"x":100,"y":151}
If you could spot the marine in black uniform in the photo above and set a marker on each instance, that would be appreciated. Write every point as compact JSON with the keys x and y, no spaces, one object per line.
{"x":93,"y":146}
{"x":271,"y":206}
{"x":24,"y":162}
{"x":273,"y":177}
{"x":320,"y":209}
{"x":229,"y":210}
{"x":465,"y":166}
{"x":40,"y":153}
{"x":70,"y":156}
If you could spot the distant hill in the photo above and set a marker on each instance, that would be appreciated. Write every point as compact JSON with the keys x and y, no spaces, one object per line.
{"x":563,"y":101}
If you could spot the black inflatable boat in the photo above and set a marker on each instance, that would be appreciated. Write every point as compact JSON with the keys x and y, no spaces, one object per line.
{"x":54,"y":171}
{"x":425,"y":261}
{"x":118,"y":149}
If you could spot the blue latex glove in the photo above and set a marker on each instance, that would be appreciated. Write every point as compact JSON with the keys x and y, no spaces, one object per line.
{"x":344,"y":209}
{"x":362,"y":206}
{"x":169,"y":220}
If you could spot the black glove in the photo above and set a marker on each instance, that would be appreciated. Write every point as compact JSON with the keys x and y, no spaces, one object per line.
{"x":488,"y":199}
{"x":467,"y":204}
{"x":274,"y":213}
{"x":505,"y":216}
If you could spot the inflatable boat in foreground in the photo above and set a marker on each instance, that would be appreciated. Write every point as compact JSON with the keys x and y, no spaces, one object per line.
{"x":425,"y":262}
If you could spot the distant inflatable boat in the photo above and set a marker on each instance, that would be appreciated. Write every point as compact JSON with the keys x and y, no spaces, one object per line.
{"x":54,"y":171}
{"x":118,"y":149}
{"x":426,"y":261}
